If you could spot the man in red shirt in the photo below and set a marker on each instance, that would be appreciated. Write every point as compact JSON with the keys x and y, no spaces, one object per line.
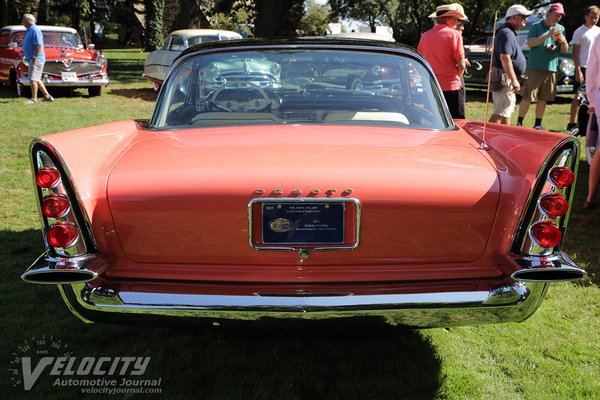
{"x":442,"y":47}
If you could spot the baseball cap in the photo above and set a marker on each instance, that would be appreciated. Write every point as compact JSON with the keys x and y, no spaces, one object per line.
{"x":557,"y":8}
{"x":518,"y":9}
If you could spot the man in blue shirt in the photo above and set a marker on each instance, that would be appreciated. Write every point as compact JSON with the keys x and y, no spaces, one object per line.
{"x":33,"y":52}
{"x":546,"y":40}
{"x":509,"y":60}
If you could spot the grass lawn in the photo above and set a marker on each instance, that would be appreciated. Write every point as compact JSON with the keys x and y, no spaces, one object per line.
{"x":553,"y":355}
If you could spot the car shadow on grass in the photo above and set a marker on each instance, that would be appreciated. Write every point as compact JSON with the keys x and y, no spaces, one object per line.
{"x":349,"y":358}
{"x":147,"y":94}
{"x":8,"y":92}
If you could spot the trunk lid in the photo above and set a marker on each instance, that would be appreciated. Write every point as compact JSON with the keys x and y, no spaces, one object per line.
{"x":182,"y":197}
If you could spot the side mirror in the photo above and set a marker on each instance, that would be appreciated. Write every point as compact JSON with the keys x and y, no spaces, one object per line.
{"x":91,"y":46}
{"x":13,"y":45}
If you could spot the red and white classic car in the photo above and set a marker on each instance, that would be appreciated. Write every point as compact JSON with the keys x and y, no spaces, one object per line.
{"x":68,"y":62}
{"x":263,"y":185}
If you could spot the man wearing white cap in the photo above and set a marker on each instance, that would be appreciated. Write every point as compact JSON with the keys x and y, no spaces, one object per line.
{"x":442,"y":47}
{"x":508,"y":64}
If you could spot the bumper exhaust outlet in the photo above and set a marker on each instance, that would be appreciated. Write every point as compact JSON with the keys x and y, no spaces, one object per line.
{"x":51,"y":270}
{"x":558,"y":268}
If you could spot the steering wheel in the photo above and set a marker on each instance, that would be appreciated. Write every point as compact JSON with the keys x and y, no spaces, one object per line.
{"x":241,"y":97}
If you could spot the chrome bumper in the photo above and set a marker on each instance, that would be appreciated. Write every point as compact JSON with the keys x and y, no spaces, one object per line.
{"x":61,"y":83}
{"x":564,"y":88}
{"x":507,"y":303}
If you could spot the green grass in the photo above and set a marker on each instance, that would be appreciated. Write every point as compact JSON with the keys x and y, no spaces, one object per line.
{"x":553,"y":355}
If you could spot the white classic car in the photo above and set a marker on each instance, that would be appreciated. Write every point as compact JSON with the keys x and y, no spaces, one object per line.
{"x":158,"y":62}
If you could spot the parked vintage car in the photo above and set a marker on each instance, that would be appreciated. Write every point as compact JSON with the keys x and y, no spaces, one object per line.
{"x":273,"y":193}
{"x":479,"y":52}
{"x":158,"y":62}
{"x":68,"y":62}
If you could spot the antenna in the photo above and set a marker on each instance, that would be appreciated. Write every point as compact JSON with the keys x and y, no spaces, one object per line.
{"x":484,"y":145}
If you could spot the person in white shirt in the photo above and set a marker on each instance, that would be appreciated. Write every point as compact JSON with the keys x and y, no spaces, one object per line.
{"x":592,"y":87}
{"x":582,"y":41}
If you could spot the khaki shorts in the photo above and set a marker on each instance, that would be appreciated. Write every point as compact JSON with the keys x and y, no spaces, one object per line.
{"x":35,"y":71}
{"x":504,"y":102}
{"x":540,"y":85}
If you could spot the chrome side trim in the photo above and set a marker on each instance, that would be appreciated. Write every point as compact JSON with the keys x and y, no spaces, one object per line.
{"x":354,"y":201}
{"x":508,"y":303}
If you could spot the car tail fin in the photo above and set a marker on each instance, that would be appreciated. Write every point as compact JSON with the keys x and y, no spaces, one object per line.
{"x":544,"y":221}
{"x":68,"y":238}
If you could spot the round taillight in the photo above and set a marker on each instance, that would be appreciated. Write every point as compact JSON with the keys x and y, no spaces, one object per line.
{"x":554,"y":205}
{"x":545,"y":234}
{"x":62,"y":234}
{"x":562,"y":177}
{"x":55,"y":206}
{"x":47,"y":178}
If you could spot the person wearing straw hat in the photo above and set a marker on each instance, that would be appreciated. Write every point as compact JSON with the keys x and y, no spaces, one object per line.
{"x":442,"y":47}
{"x":508,"y":64}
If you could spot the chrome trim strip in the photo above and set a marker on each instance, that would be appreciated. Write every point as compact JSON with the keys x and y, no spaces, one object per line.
{"x":60,"y":83}
{"x":354,"y":201}
{"x":508,"y":303}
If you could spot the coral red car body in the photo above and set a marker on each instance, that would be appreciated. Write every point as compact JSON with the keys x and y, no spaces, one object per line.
{"x":68,"y":63}
{"x":283,"y":194}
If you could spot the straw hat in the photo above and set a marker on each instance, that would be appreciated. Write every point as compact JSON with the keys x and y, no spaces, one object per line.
{"x":450,"y":10}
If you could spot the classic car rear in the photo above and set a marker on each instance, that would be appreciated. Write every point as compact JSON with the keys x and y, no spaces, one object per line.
{"x":158,"y":62}
{"x":262,"y":186}
{"x":68,"y":62}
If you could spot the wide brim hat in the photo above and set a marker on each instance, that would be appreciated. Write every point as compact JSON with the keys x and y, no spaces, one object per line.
{"x":450,"y":10}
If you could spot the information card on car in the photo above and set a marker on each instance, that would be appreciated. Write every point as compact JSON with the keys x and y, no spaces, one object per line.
{"x":297,"y":223}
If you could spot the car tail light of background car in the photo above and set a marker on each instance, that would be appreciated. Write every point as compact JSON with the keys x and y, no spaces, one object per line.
{"x":538,"y":242}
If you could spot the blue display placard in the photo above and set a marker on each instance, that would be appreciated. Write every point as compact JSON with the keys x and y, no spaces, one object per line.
{"x":303,"y":223}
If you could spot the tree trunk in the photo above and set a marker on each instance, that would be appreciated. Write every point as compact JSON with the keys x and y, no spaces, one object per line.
{"x":42,"y":14}
{"x":154,"y":26}
{"x":278,"y":17}
{"x":190,"y":16}
{"x":3,"y":12}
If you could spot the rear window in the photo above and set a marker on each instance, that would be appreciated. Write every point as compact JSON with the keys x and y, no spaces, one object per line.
{"x":289,"y":86}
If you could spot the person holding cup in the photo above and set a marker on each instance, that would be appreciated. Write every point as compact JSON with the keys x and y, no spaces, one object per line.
{"x":546,"y":40}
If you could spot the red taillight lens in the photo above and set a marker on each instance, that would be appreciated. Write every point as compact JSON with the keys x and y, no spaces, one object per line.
{"x":47,"y":178}
{"x":55,"y":206}
{"x":562,"y":177}
{"x":62,"y":234}
{"x":546,"y":234}
{"x":554,"y":205}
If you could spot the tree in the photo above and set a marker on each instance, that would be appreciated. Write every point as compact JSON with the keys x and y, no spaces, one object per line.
{"x":278,"y":17}
{"x":154,"y":24}
{"x":315,"y":20}
{"x":191,"y":15}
